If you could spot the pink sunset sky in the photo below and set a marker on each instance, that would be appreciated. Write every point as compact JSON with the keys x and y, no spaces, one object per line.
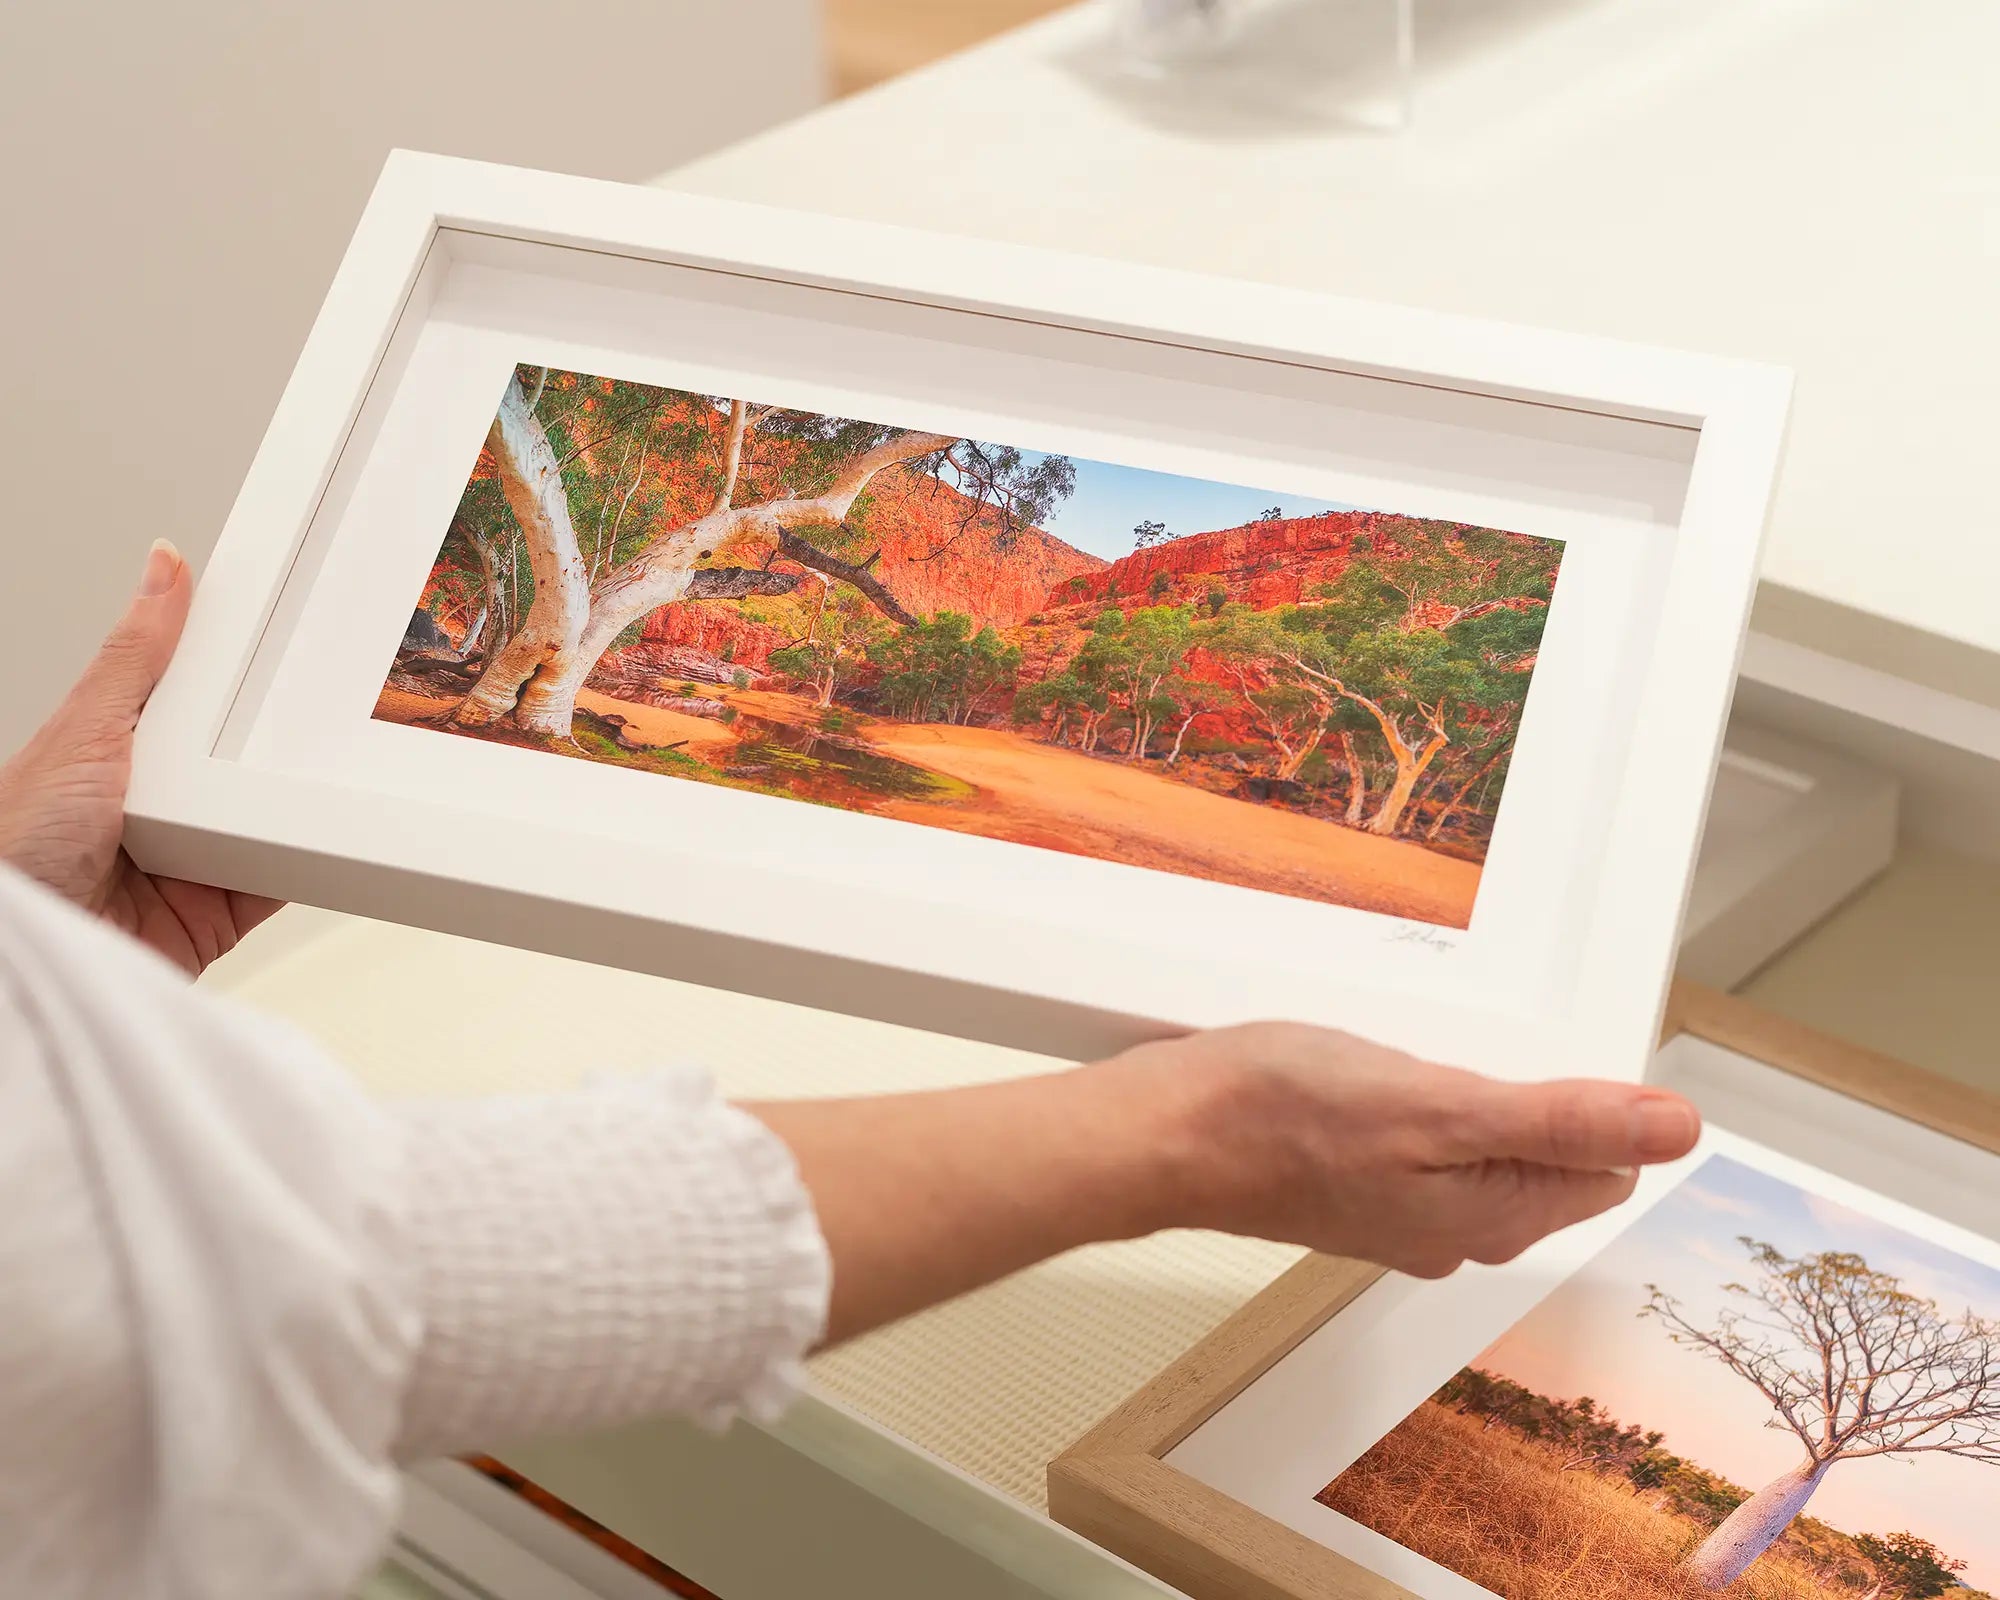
{"x":1589,"y":1339}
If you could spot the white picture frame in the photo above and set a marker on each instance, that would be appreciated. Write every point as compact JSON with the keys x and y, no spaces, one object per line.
{"x":1660,"y":462}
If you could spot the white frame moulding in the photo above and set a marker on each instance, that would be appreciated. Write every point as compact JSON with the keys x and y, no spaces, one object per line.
{"x":195,"y":812}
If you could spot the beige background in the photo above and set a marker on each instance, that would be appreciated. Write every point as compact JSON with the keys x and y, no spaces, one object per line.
{"x":181,"y":181}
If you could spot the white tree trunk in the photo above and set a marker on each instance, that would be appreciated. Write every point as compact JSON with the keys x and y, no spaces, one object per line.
{"x":1357,"y":781}
{"x":1754,"y":1526}
{"x":660,"y":574}
{"x":1410,"y":765}
{"x":1294,"y":760}
{"x":542,"y":653}
{"x":1451,"y":806}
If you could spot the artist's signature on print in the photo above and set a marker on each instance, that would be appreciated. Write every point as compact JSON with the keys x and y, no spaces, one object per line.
{"x":1429,"y":938}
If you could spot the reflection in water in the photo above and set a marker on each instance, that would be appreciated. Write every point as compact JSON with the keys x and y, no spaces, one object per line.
{"x":817,"y":765}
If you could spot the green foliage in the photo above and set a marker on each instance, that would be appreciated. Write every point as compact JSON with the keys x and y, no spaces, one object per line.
{"x":587,"y":741}
{"x":800,"y":660}
{"x":1911,"y":1568}
{"x":1066,"y":696}
{"x":1149,"y":532}
{"x":1022,"y":493}
{"x":839,"y":637}
{"x":1415,"y":653}
{"x":940,"y":670}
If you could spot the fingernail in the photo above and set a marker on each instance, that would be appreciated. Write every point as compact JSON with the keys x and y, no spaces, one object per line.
{"x":163,"y":565}
{"x":1622,"y":1172}
{"x":1663,"y":1127}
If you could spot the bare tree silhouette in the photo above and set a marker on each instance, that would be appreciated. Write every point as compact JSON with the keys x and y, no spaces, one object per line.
{"x":1854,"y":1365}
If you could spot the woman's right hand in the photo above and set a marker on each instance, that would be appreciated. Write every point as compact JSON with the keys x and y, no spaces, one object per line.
{"x":1275,"y":1130}
{"x":1317,"y":1138}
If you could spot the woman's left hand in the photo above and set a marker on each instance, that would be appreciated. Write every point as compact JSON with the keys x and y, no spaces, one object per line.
{"x":62,"y":797}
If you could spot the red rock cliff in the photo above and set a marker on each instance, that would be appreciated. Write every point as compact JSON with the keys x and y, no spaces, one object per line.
{"x":1261,"y":563}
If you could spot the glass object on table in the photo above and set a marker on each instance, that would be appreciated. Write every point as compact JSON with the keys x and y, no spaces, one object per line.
{"x":1164,"y":33}
{"x":1311,"y":61}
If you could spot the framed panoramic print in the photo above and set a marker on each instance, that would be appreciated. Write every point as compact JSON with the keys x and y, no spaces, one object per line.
{"x":1759,"y":1377}
{"x":1044,"y":650}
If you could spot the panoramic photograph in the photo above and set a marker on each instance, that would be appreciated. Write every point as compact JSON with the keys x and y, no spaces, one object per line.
{"x":1752,"y":1391}
{"x":1291,"y":695}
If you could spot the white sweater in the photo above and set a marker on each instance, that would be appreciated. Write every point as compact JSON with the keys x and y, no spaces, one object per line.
{"x":235,"y":1290}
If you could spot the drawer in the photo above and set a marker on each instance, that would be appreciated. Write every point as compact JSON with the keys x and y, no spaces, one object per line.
{"x":1902,"y":964}
{"x":1838,"y":885}
{"x":1794,"y":831}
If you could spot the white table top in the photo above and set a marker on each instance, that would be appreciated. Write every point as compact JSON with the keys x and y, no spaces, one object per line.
{"x":1809,"y":182}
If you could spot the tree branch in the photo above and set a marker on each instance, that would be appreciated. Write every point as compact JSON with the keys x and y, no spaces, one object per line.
{"x":807,"y":554}
{"x":738,"y":583}
{"x":610,"y":432}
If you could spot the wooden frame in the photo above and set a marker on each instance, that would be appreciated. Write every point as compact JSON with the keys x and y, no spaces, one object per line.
{"x":1115,"y":1487}
{"x":716,"y":906}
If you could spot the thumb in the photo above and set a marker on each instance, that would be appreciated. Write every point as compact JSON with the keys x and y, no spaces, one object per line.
{"x":1584,"y":1125}
{"x":119,"y":680}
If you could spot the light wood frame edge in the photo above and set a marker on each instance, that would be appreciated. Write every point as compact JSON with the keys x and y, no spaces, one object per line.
{"x":1113,"y":1486}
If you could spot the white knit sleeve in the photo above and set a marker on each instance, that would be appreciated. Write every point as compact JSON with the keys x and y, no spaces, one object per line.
{"x":241,"y":1289}
{"x":635,"y":1250}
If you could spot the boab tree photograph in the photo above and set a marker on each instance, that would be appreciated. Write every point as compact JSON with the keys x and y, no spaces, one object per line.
{"x":1753,"y":1391}
{"x":1292,"y":695}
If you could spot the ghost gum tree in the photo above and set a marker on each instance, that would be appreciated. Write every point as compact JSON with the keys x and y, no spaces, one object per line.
{"x":1853,"y":1365}
{"x":1423,"y":643}
{"x":620,"y":492}
{"x":526,"y":676}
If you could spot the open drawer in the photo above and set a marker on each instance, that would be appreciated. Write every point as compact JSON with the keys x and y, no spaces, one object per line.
{"x":931,"y":1439}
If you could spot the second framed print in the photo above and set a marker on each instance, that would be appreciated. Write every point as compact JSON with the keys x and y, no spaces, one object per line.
{"x":1760,"y":1378}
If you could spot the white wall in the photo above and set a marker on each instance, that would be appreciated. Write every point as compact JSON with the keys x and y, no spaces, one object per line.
{"x":180,"y":180}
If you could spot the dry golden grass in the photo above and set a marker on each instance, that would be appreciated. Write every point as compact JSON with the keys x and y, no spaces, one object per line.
{"x":1498,"y":1509}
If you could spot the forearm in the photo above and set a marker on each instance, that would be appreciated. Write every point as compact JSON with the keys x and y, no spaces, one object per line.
{"x":925,"y":1196}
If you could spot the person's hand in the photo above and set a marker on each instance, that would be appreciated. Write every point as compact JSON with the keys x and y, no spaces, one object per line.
{"x":1275,"y":1131}
{"x":62,"y":797}
{"x":1316,"y":1138}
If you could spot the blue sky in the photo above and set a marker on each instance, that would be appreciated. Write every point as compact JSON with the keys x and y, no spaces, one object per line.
{"x":1110,"y":501}
{"x":1587,"y":1338}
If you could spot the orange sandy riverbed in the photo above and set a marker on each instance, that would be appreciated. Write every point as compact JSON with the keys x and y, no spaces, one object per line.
{"x":1035,"y":793}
